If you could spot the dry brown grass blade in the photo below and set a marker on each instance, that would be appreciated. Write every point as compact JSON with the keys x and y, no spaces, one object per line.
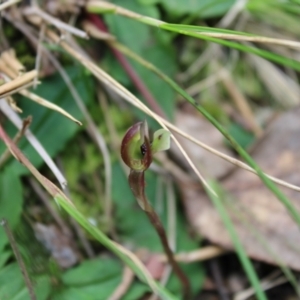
{"x":48,"y":104}
{"x":9,"y":58}
{"x":11,"y":66}
{"x":122,"y":288}
{"x":284,"y":90}
{"x":17,"y":83}
{"x":93,"y":31}
{"x":256,"y":39}
{"x":8,"y":4}
{"x":241,"y":103}
{"x":17,"y":138}
{"x":52,"y":189}
{"x":202,"y":254}
{"x":34,"y":10}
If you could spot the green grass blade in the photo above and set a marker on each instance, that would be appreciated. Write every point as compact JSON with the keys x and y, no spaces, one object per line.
{"x":269,"y":184}
{"x":244,"y":259}
{"x":195,"y":31}
{"x":288,"y":62}
{"x":104,"y":240}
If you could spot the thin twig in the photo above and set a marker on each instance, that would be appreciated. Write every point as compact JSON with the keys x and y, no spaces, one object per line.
{"x":217,"y":276}
{"x":16,"y":139}
{"x":39,"y":49}
{"x":18,"y":256}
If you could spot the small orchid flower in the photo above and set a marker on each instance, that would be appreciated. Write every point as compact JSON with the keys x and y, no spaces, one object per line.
{"x":137,"y":153}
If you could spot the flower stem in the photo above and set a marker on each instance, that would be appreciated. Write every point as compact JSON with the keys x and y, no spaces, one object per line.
{"x":137,"y":184}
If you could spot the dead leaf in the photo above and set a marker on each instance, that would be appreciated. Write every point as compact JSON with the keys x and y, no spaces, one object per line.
{"x":201,"y":129}
{"x":252,"y":203}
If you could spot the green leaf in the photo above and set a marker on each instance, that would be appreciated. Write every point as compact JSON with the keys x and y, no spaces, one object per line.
{"x":161,"y":140}
{"x":243,"y":137}
{"x":4,"y":257}
{"x":42,"y":288}
{"x":96,"y":291}
{"x":12,"y":286}
{"x":203,"y":8}
{"x":136,"y":291}
{"x":11,"y":281}
{"x":97,"y":279}
{"x":11,"y":201}
{"x":45,"y":122}
{"x":91,"y":271}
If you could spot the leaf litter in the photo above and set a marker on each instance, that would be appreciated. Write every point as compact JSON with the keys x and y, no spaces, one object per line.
{"x":249,"y":202}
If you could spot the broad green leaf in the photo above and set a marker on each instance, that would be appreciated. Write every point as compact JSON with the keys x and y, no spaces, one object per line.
{"x":42,"y":288}
{"x":11,"y":201}
{"x":91,"y":271}
{"x":11,"y":281}
{"x":96,"y":291}
{"x":12,"y":286}
{"x":97,"y":279}
{"x":161,"y":140}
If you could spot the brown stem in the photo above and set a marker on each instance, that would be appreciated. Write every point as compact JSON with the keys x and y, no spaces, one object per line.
{"x":137,"y":185}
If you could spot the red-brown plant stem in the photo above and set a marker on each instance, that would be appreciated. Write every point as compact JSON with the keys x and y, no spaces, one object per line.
{"x":139,"y":84}
{"x":137,"y":184}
